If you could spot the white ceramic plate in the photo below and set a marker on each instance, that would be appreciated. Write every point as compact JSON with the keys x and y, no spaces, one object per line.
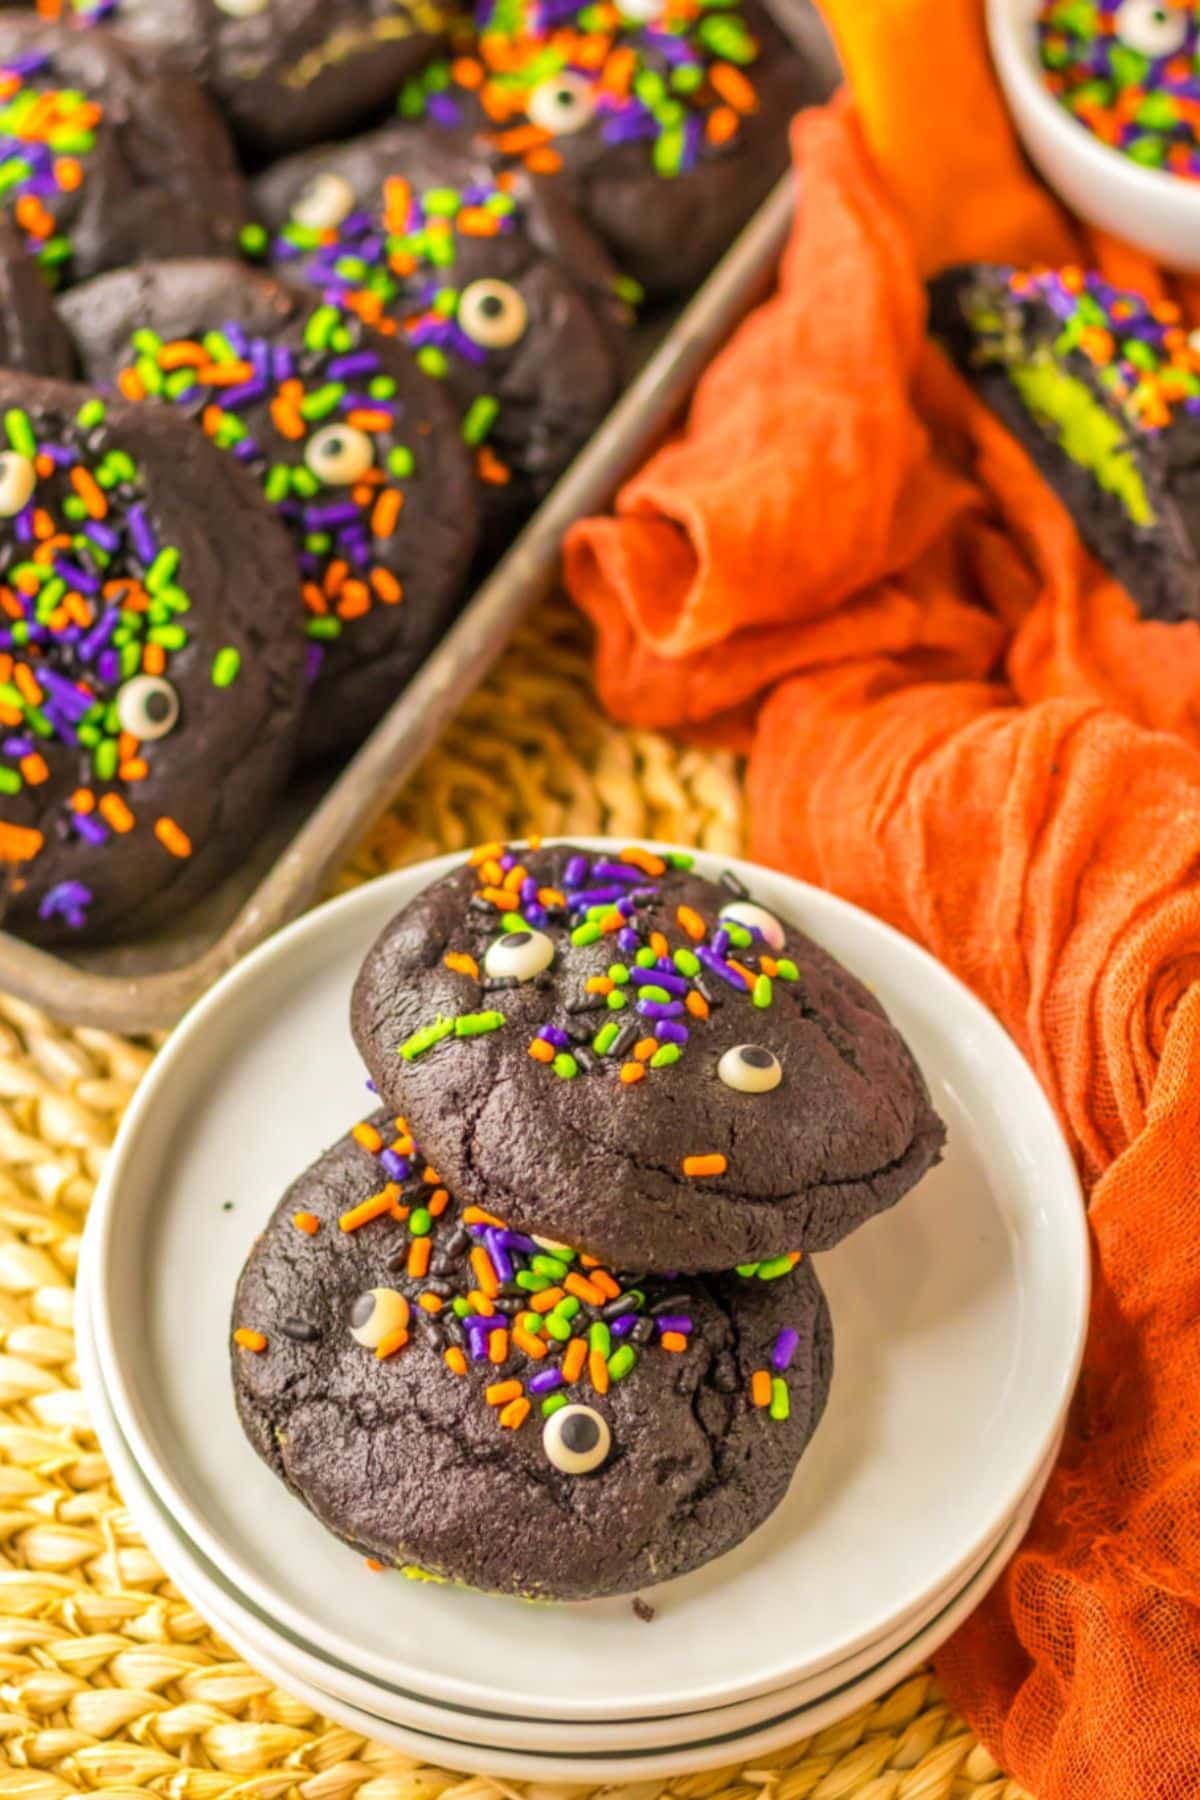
{"x":200,"y":1585}
{"x":959,"y":1320}
{"x":411,"y":1710}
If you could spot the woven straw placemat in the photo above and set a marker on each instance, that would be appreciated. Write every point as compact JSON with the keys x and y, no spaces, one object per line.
{"x":108,"y":1679}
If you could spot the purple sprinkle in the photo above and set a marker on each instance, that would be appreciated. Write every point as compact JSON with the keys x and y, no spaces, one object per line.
{"x":109,"y":666}
{"x":659,"y":1009}
{"x":554,"y":1034}
{"x":63,"y":727}
{"x":142,"y":535}
{"x":680,"y":1322}
{"x":516,"y":1240}
{"x":658,"y":977}
{"x":64,"y":694}
{"x":721,"y":940}
{"x":618,"y":871}
{"x":283,"y":363}
{"x":326,"y":518}
{"x":718,"y":967}
{"x":247,"y":393}
{"x":316,"y":656}
{"x":597,"y":896}
{"x":18,"y":746}
{"x":444,"y":111}
{"x":349,"y":368}
{"x":68,"y":900}
{"x":529,"y":888}
{"x":501,"y":1261}
{"x":89,"y":827}
{"x":576,"y":872}
{"x":76,"y":577}
{"x":508,"y":861}
{"x":239,"y":343}
{"x":545,"y":1381}
{"x":246,"y":449}
{"x":397,"y":1167}
{"x":623,"y":1324}
{"x":102,"y":535}
{"x":669,"y":1033}
{"x":534,"y":914}
{"x":628,"y":940}
{"x":785,"y":1348}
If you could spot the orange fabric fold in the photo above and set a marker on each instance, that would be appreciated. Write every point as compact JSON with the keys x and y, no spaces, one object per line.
{"x":955,"y":717}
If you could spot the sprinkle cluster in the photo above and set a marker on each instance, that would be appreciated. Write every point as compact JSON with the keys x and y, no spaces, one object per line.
{"x":47,"y":134}
{"x":673,"y":74}
{"x":543,"y":1323}
{"x":1129,"y":71}
{"x":239,"y":386}
{"x":89,"y":601}
{"x":1146,"y":359}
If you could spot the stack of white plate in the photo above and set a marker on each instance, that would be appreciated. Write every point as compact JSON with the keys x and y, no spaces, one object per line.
{"x":958,"y":1317}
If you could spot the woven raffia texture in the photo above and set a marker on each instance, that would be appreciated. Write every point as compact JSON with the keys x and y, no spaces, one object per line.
{"x":108,"y":1679}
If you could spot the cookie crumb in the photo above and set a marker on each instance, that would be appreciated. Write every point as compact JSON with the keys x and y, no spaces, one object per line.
{"x":644,"y":1610}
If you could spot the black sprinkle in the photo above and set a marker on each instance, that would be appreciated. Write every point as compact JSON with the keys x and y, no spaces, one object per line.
{"x":579,"y":1031}
{"x":616,"y":1308}
{"x":584,"y":1060}
{"x":706,"y":992}
{"x":589,"y":1004}
{"x":625,"y":1039}
{"x":477,"y":903}
{"x":734,"y":885}
{"x":497,"y":984}
{"x":509,"y":1306}
{"x":453,"y":1329}
{"x":644,"y":1610}
{"x":643,"y":1331}
{"x":456,"y":1243}
{"x":300,"y":1331}
{"x":443,"y":1289}
{"x":670,"y":1303}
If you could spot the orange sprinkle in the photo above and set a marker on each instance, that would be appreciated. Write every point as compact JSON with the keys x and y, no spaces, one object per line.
{"x":498,"y":1346}
{"x":760,"y":1387}
{"x":366,"y":1135}
{"x":172,"y":837}
{"x":90,"y":492}
{"x":588,"y":1262}
{"x":314,"y":599}
{"x":480,"y":1303}
{"x":25,"y":680}
{"x":742,"y":970}
{"x":692,"y":923}
{"x":544,"y":161}
{"x":485,"y":1275}
{"x":250,"y":1340}
{"x":154,"y":659}
{"x":364,"y":418}
{"x":462,"y":964}
{"x":672,"y":1340}
{"x":475,"y":1215}
{"x":117,"y":813}
{"x":550,"y":896}
{"x":419,"y":1252}
{"x":574,"y":1357}
{"x":228,"y":374}
{"x":336,"y":576}
{"x":211,"y":419}
{"x":430,"y":1174}
{"x":599,"y":984}
{"x":733,"y":87}
{"x":386,"y":514}
{"x":528,"y":1342}
{"x":373,"y":1563}
{"x":546,"y":1301}
{"x":306,"y":1222}
{"x":604,"y":1281}
{"x":541,"y":1051}
{"x":489,"y":468}
{"x":476,"y":221}
{"x":287,"y":419}
{"x":612,"y":921}
{"x":372,"y":1208}
{"x":131,"y":385}
{"x":515,"y":1414}
{"x":82,"y":801}
{"x":499,"y":1393}
{"x":355,"y":602}
{"x":631,"y":1072}
{"x":68,"y":173}
{"x":397,"y":199}
{"x":395,"y":1340}
{"x":714,"y":1164}
{"x":182,"y":354}
{"x":498,"y":896}
{"x":583,"y":1289}
{"x":484,"y":853}
{"x":696,"y":1004}
{"x":466,"y":72}
{"x":454,"y":1360}
{"x":438,"y":1202}
{"x":516,"y":875}
{"x":33,"y":769}
{"x":768,"y":965}
{"x":598,"y":1372}
{"x":136,"y":769}
{"x":430,"y":1303}
{"x":491,"y":874}
{"x":659,"y":944}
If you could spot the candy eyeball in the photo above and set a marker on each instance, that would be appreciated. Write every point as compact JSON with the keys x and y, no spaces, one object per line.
{"x":324,"y":203}
{"x":18,"y":478}
{"x":242,"y":9}
{"x":756,"y":918}
{"x":339,"y":455}
{"x":147,"y":708}
{"x":518,"y":956}
{"x":750,"y":1069}
{"x":641,"y":12}
{"x":1151,"y":27}
{"x":492,"y":314}
{"x":552,"y":1247}
{"x":375,"y":1315}
{"x":563,"y":104}
{"x":576,"y":1440}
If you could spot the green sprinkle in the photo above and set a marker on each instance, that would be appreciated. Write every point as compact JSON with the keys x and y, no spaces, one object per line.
{"x":531,"y":1283}
{"x":616,"y":1001}
{"x":401,"y":462}
{"x":278,"y":484}
{"x":20,"y":432}
{"x":219,"y":347}
{"x":10,"y":781}
{"x":468,"y":1025}
{"x":481,"y":415}
{"x":773,"y":1268}
{"x":226,"y":664}
{"x":558,"y":1328}
{"x":599,"y":1337}
{"x":531,"y":1321}
{"x":629,"y":290}
{"x":645,"y":959}
{"x":567,"y":1308}
{"x":104,"y":760}
{"x":92,"y":412}
{"x":618,"y":973}
{"x":305,"y":483}
{"x":737,"y":934}
{"x":513,"y":921}
{"x":171,"y":637}
{"x":434,"y":361}
{"x":787,"y":970}
{"x":421,"y":1222}
{"x":162,"y":570}
{"x":253,"y":240}
{"x":781,"y":1404}
{"x":548,"y":1265}
{"x":586,"y":934}
{"x":74,"y":508}
{"x":680,"y":859}
{"x":748,"y":1268}
{"x":665,"y":1055}
{"x":425,"y":1039}
{"x":606,"y":1037}
{"x":565,"y":1066}
{"x":324,"y":320}
{"x":687,"y":963}
{"x":621,"y":1362}
{"x":761,"y":994}
{"x":553,"y":1403}
{"x":461,"y":1308}
{"x":322,"y":401}
{"x":383,"y":387}
{"x":653,"y":992}
{"x":323,"y":629}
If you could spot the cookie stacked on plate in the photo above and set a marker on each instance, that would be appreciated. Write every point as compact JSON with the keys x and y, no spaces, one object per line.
{"x":546,"y":1322}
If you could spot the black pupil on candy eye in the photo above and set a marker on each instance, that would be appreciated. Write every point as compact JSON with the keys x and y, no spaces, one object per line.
{"x":333,"y":446}
{"x":491,"y":306}
{"x":580,"y":1434}
{"x":364,"y":1306}
{"x":756,"y":1057}
{"x":157,"y":706}
{"x":514,"y":939}
{"x":564,"y":98}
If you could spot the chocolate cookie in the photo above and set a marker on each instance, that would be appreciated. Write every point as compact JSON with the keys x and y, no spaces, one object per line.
{"x":151,"y":663}
{"x":452,"y":1397}
{"x":33,"y":338}
{"x":664,"y":121}
{"x":612,"y":1050}
{"x":284,"y":72}
{"x":1102,"y":387}
{"x":502,"y":296}
{"x":357,"y":450}
{"x":109,"y":154}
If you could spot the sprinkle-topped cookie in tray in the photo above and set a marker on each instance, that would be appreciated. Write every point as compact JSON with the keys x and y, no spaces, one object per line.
{"x":504,"y":298}
{"x":419,"y":1374}
{"x":355,"y":448}
{"x":664,"y":121}
{"x":616,"y":1052}
{"x":151,"y":667}
{"x":1102,"y":387}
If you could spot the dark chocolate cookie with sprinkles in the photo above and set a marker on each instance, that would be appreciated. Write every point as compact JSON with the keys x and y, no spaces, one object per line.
{"x":455,"y":1398}
{"x":663,"y":121}
{"x":108,"y":154}
{"x":612,"y":1050}
{"x":33,"y":338}
{"x":151,"y":663}
{"x":503,"y":296}
{"x":1102,"y":387}
{"x":355,"y":447}
{"x":284,"y":72}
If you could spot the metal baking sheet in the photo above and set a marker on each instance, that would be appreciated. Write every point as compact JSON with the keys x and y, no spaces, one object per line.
{"x":149,"y":983}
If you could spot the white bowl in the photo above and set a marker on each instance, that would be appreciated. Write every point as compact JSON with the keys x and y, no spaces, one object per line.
{"x":1158,"y":213}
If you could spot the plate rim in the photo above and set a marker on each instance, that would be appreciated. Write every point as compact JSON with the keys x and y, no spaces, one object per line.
{"x":472,"y":1695}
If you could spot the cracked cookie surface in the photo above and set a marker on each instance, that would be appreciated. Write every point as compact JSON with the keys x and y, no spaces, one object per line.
{"x":456,"y":1439}
{"x":670,"y":1088}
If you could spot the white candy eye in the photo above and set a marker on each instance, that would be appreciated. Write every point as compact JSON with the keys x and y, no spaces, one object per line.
{"x":242,"y":9}
{"x":641,"y":12}
{"x":18,"y":478}
{"x":375,"y":1315}
{"x":750,"y":1069}
{"x":576,"y":1439}
{"x":147,"y":707}
{"x":325,"y":202}
{"x":519,"y":955}
{"x":756,"y":918}
{"x":563,"y":104}
{"x":492,"y":314}
{"x":1153,"y":28}
{"x":339,"y":455}
{"x":550,"y":1245}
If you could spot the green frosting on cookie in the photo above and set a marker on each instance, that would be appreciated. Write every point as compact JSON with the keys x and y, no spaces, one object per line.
{"x":1085,"y":430}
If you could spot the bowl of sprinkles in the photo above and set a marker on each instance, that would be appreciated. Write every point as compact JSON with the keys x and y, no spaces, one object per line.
{"x":1106,"y":97}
